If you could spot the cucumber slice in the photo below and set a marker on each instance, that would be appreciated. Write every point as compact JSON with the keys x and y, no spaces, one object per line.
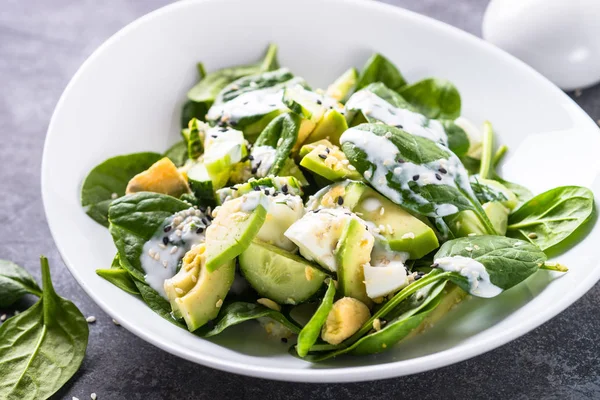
{"x":200,"y":182}
{"x":223,"y":150}
{"x":236,"y":224}
{"x":279,"y":275}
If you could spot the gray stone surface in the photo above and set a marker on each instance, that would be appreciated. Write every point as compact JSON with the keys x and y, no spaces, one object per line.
{"x":42,"y":43}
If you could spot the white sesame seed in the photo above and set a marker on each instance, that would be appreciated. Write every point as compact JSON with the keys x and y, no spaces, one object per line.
{"x":91,"y":319}
{"x":114,"y":196}
{"x":381,"y":180}
{"x":165,"y":263}
{"x":346,"y":162}
{"x":156,"y":256}
{"x":151,"y":253}
{"x":178,"y":232}
{"x":388,"y":135}
{"x":351,"y":168}
{"x":3,"y":317}
{"x":381,"y":228}
{"x":476,"y":247}
{"x":173,"y":250}
{"x":390,"y":229}
{"x":279,"y":142}
{"x":397,"y":171}
{"x":408,"y":235}
{"x":472,"y":234}
{"x":162,"y":246}
{"x":116,"y":322}
{"x":368,"y":174}
{"x":179,"y":290}
{"x":381,"y":211}
{"x":194,"y":279}
{"x":387,"y":162}
{"x":532,"y":235}
{"x":17,"y":312}
{"x":93,"y":396}
{"x":177,"y":220}
{"x":468,"y":248}
{"x":219,"y":303}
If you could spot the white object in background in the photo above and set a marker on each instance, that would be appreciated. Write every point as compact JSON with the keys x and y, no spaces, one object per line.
{"x":559,"y":38}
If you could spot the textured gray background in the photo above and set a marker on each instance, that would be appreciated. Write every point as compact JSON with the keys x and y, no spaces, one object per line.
{"x":42,"y":43}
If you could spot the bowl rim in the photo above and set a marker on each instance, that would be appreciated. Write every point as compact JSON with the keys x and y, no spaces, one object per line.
{"x":338,"y":374}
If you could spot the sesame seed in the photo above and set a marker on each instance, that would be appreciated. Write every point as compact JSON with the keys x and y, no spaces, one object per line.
{"x":443,"y":170}
{"x":93,"y":396}
{"x":532,"y":235}
{"x":177,"y":232}
{"x":17,"y":312}
{"x":438,"y":177}
{"x":284,"y":340}
{"x":388,"y":135}
{"x":377,"y":324}
{"x":279,"y":142}
{"x":399,"y":126}
{"x":256,"y":188}
{"x":151,"y":253}
{"x":319,"y":102}
{"x":165,"y":263}
{"x":327,"y":150}
{"x":162,"y":246}
{"x":156,"y":256}
{"x":200,"y":230}
{"x":415,"y":178}
{"x":284,"y":188}
{"x":194,"y":279}
{"x":408,"y":235}
{"x":116,"y":322}
{"x":179,"y":290}
{"x":219,"y":303}
{"x":3,"y":317}
{"x":251,"y":157}
{"x":351,"y":168}
{"x":323,"y":156}
{"x":114,"y":196}
{"x":91,"y":319}
{"x":400,"y":161}
{"x":340,"y":200}
{"x":173,"y":250}
{"x":165,"y":239}
{"x":267,"y":192}
{"x":387,"y":162}
{"x":472,"y":234}
{"x":382,"y":211}
{"x":368,"y":174}
{"x":476,"y":247}
{"x":468,"y":248}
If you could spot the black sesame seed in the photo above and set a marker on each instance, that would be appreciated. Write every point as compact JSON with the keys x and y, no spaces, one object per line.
{"x":418,"y":277}
{"x":416,"y":178}
{"x":200,"y":230}
{"x":204,"y":221}
{"x":250,"y":157}
{"x":214,"y":136}
{"x":327,"y":150}
{"x":443,"y":170}
{"x":254,"y":170}
{"x":323,"y":156}
{"x":222,"y":129}
{"x":165,"y":240}
{"x":435,"y":265}
{"x":275,"y":193}
{"x":257,"y":188}
{"x":232,"y":123}
{"x":272,"y":105}
{"x":391,"y":111}
{"x":401,"y":161}
{"x":245,"y":103}
{"x":319,"y":102}
{"x":284,"y":340}
{"x":284,"y":188}
{"x":267,"y":192}
{"x":340,"y":200}
{"x":222,"y":123}
{"x":331,"y":108}
{"x":399,"y":126}
{"x":438,"y":177}
{"x":168,"y":228}
{"x":377,"y":105}
{"x":234,"y":188}
{"x":202,"y":209}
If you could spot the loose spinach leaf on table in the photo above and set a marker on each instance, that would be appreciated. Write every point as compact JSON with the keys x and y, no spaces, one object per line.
{"x":15,"y":282}
{"x":311,"y":331}
{"x":552,"y":216}
{"x":43,"y":347}
{"x":380,"y":69}
{"x":178,"y":153}
{"x":426,"y":199}
{"x":238,"y":312}
{"x":110,"y":178}
{"x":433,"y":97}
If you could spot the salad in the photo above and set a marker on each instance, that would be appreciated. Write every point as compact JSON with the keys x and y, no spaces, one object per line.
{"x":343,"y":220}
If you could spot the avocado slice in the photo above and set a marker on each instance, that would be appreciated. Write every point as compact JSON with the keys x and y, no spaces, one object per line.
{"x":466,"y":223}
{"x":162,"y":177}
{"x":353,"y":251}
{"x":291,"y":169}
{"x":343,"y":86}
{"x":195,"y":293}
{"x":280,"y":275}
{"x":329,"y":162}
{"x":330,"y":127}
{"x":236,"y":224}
{"x":407,"y":234}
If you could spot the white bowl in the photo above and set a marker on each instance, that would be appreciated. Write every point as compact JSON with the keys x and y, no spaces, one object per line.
{"x":127,"y":97}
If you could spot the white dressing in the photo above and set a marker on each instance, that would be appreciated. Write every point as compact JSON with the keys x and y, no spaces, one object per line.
{"x":262,"y":159}
{"x":474,"y":271}
{"x":160,"y":256}
{"x":221,"y":143}
{"x":414,"y":123}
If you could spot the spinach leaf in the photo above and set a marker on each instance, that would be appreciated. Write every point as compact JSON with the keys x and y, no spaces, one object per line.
{"x":15,"y":282}
{"x":507,"y":261}
{"x":157,"y":303}
{"x":281,"y":134}
{"x":380,"y":69}
{"x":43,"y":347}
{"x":433,"y":97}
{"x":238,"y":312}
{"x":407,"y":170}
{"x":178,"y":153}
{"x":133,"y":220}
{"x":552,"y":216}
{"x":311,"y":331}
{"x":254,"y":82}
{"x":389,"y":95}
{"x":109,"y":179}
{"x":191,"y":109}
{"x":209,"y":86}
{"x":120,"y":278}
{"x":487,"y":193}
{"x":193,"y":139}
{"x":521,"y":192}
{"x":458,"y":141}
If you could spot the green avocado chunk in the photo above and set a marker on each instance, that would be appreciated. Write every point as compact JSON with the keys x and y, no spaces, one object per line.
{"x":353,"y":251}
{"x":466,"y":223}
{"x":330,"y":162}
{"x":343,"y":86}
{"x":330,"y":128}
{"x":195,"y":293}
{"x":280,"y":275}
{"x":236,"y":224}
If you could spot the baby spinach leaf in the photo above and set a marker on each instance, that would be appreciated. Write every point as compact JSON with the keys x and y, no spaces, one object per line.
{"x":209,"y":86}
{"x":157,"y":303}
{"x":133,"y":220}
{"x":190,"y":110}
{"x":15,"y":282}
{"x":380,"y":69}
{"x":433,"y":97}
{"x":311,"y":331}
{"x":487,"y":193}
{"x":458,"y":141}
{"x":109,"y":179}
{"x":257,"y":81}
{"x":43,"y":347}
{"x":409,"y":171}
{"x":238,"y":312}
{"x":508,"y":261}
{"x":193,"y":139}
{"x":552,"y":216}
{"x":281,"y":134}
{"x":120,"y":278}
{"x":178,"y":153}
{"x":389,"y":95}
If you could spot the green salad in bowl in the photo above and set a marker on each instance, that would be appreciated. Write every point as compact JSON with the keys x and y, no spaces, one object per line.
{"x":343,"y":220}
